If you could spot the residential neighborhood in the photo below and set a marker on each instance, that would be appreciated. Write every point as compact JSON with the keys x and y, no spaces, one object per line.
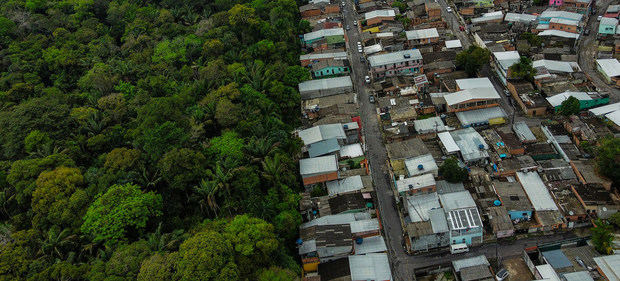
{"x":460,"y":140}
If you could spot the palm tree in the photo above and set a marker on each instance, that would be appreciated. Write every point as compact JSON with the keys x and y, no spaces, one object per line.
{"x":55,"y":242}
{"x":273,"y":168}
{"x":207,"y":190}
{"x":164,"y":241}
{"x":259,"y":148}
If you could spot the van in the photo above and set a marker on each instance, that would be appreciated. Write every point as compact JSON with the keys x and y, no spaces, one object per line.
{"x":459,"y":248}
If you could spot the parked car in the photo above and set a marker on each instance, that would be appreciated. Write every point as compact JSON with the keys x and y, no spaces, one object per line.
{"x":367,"y":78}
{"x":586,"y":32}
{"x":348,"y":27}
{"x":599,"y":18}
{"x":371,"y":98}
{"x":462,"y":28}
{"x":506,"y":92}
{"x":359,"y":49}
{"x":362,"y":60}
{"x":502,"y":274}
{"x":355,"y":23}
{"x":449,"y":9}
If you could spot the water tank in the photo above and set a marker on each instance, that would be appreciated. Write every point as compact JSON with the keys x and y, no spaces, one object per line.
{"x":359,"y":240}
{"x":299,"y":241}
{"x":420,"y":167}
{"x":497,"y":203}
{"x":481,"y":146}
{"x":346,"y":127}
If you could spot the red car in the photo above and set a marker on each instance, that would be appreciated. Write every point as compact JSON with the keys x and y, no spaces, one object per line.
{"x":462,"y":28}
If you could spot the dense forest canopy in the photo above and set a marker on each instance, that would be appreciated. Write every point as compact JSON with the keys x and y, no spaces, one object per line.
{"x":149,"y":140}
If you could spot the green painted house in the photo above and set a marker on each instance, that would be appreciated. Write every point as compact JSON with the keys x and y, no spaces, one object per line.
{"x":330,"y":68}
{"x":607,"y":26}
{"x":586,"y":99}
{"x":331,"y":35}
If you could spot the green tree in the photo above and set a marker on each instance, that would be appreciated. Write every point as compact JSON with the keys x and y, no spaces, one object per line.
{"x":123,"y":265}
{"x":277,"y":274}
{"x":158,"y":267}
{"x":58,"y":199}
{"x":472,"y":59}
{"x":602,"y":237}
{"x":207,"y":255}
{"x":615,"y":219}
{"x":608,"y":159}
{"x":452,"y":172}
{"x":532,"y":39}
{"x":522,"y":70}
{"x":120,"y":210}
{"x":569,"y":106}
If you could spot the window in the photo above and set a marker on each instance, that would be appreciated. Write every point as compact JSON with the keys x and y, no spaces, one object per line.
{"x":524,"y":214}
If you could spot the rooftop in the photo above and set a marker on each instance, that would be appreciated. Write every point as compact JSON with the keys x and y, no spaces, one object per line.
{"x":318,"y":165}
{"x":451,"y":44}
{"x":507,"y":58}
{"x":346,"y":202}
{"x":609,"y":265}
{"x":406,"y":149}
{"x":498,"y":15}
{"x":525,"y":18}
{"x":448,"y":142}
{"x":611,"y":67}
{"x":322,"y":132}
{"x":372,"y":266}
{"x":351,"y":151}
{"x":379,"y":13}
{"x":419,"y":206}
{"x":559,"y":98}
{"x":323,"y":147}
{"x":536,"y":191}
{"x":421,"y":165}
{"x":602,"y":110}
{"x":422,"y":34}
{"x":394,"y":57}
{"x":457,"y":200}
{"x":477,"y":273}
{"x":480,"y":116}
{"x":346,"y":218}
{"x":557,"y":66}
{"x":559,"y":33}
{"x":471,"y":94}
{"x":471,"y":144}
{"x":593,"y":194}
{"x":345,"y":185}
{"x":549,"y":13}
{"x":499,"y":219}
{"x":556,"y":259}
{"x":512,"y":196}
{"x":429,"y":125}
{"x":469,"y":262}
{"x":324,"y":84}
{"x":327,"y":55}
{"x":444,"y":187}
{"x":321,"y":237}
{"x":374,"y":244}
{"x":608,"y":21}
{"x":522,"y":130}
{"x":323,"y":33}
{"x":471,"y":83}
{"x":415,"y":182}
{"x":564,"y":21}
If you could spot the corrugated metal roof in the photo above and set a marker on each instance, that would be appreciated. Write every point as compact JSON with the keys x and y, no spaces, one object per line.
{"x":323,"y":147}
{"x":556,"y":259}
{"x":536,"y":191}
{"x":469,"y":262}
{"x":564,"y":21}
{"x":419,"y":206}
{"x":578,"y":276}
{"x":561,"y":14}
{"x":379,"y":13}
{"x":602,"y":110}
{"x":360,"y":226}
{"x":507,"y":59}
{"x":374,"y":244}
{"x":344,"y":185}
{"x":451,"y":44}
{"x":316,"y":56}
{"x":557,"y":66}
{"x":559,"y":33}
{"x":318,"y":165}
{"x":373,"y":266}
{"x":470,"y":83}
{"x":394,"y":57}
{"x":323,"y":33}
{"x":526,"y":18}
{"x":498,"y":15}
{"x":428,"y":125}
{"x":480,"y":116}
{"x":448,"y":142}
{"x":415,"y":182}
{"x":471,"y":94}
{"x":324,"y":84}
{"x":438,"y":220}
{"x":322,"y":132}
{"x":457,"y":200}
{"x":610,"y":266}
{"x":427,"y":161}
{"x":351,"y":151}
{"x":523,"y":132}
{"x":422,"y":33}
{"x":336,"y":219}
{"x":547,"y":273}
{"x":373,"y":49}
{"x":611,"y":67}
{"x":469,"y":142}
{"x":559,"y":98}
{"x":614,"y":117}
{"x":609,"y":21}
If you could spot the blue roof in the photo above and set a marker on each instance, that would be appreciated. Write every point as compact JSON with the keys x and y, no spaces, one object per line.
{"x":557,"y":259}
{"x":323,"y":147}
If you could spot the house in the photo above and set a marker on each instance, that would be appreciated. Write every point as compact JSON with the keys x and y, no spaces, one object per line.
{"x":426,"y":224}
{"x":371,"y":266}
{"x":374,"y":244}
{"x":613,"y":11}
{"x":322,"y":133}
{"x":328,"y":68}
{"x":503,"y":61}
{"x":447,"y":143}
{"x":472,"y":146}
{"x":430,"y":125}
{"x":530,"y":102}
{"x":522,"y":18}
{"x":318,"y":169}
{"x":610,"y":69}
{"x":607,"y":26}
{"x":463,"y":218}
{"x":310,"y":10}
{"x":415,"y":185}
{"x":325,"y":87}
{"x":308,"y":59}
{"x":523,"y":132}
{"x":500,"y":222}
{"x":514,"y":200}
{"x":421,"y":165}
{"x":330,"y":38}
{"x":475,"y":268}
{"x":586,"y":99}
{"x":406,"y":62}
{"x":546,"y":213}
{"x":326,"y":242}
{"x":546,"y":16}
{"x":346,"y":185}
{"x":608,"y":267}
{"x":377,"y":16}
{"x":587,"y":174}
{"x":433,"y":10}
{"x":472,"y":98}
{"x":564,"y":25}
{"x":422,"y":36}
{"x":490,"y":17}
{"x":510,"y":141}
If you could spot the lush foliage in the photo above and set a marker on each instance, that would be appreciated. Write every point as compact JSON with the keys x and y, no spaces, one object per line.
{"x":149,"y":140}
{"x":472,"y":59}
{"x":533,"y":39}
{"x":452,"y":172}
{"x":602,"y":237}
{"x":608,"y":159}
{"x":522,"y":70}
{"x":569,"y":107}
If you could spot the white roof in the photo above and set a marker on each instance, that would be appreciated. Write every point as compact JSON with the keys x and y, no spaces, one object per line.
{"x":564,"y":21}
{"x":520,"y":17}
{"x":322,"y":132}
{"x":610,"y":266}
{"x":432,"y":124}
{"x":419,"y":206}
{"x":318,"y":165}
{"x":559,"y":33}
{"x":448,"y":142}
{"x":451,"y":44}
{"x":480,"y":116}
{"x":379,"y":13}
{"x":609,"y":21}
{"x":557,"y":66}
{"x":373,"y":266}
{"x":498,"y":15}
{"x":469,"y":83}
{"x":415,"y":182}
{"x":507,"y":59}
{"x":542,"y":26}
{"x":427,"y":162}
{"x":611,"y":67}
{"x":523,"y":131}
{"x":394,"y":57}
{"x":469,"y":262}
{"x":323,"y":33}
{"x":316,"y":56}
{"x":351,"y":150}
{"x":367,"y":225}
{"x":614,"y":117}
{"x":547,"y":273}
{"x":373,"y":49}
{"x":345,"y":185}
{"x":578,"y":276}
{"x":373,"y":244}
{"x":559,"y":98}
{"x":471,"y":94}
{"x":384,"y":34}
{"x":472,"y":145}
{"x":536,"y":191}
{"x":602,"y":110}
{"x":337,"y":219}
{"x":324,"y":84}
{"x":457,"y":200}
{"x":561,"y":14}
{"x":422,"y":33}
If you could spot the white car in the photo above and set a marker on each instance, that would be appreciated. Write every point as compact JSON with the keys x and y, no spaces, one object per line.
{"x":599,"y":18}
{"x":449,"y":9}
{"x":367,"y":79}
{"x":359,"y":43}
{"x":355,"y":23}
{"x":360,"y":49}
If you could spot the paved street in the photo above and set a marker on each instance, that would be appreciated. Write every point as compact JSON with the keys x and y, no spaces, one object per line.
{"x":453,"y":24}
{"x":587,"y":50}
